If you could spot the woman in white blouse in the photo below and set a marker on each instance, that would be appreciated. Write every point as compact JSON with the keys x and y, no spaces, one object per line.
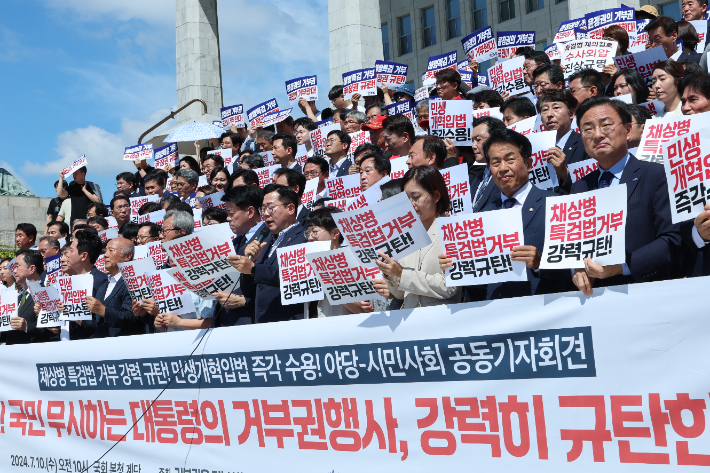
{"x":666,"y":76}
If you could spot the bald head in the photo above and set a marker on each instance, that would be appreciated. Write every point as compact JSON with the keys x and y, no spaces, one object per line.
{"x":118,"y":250}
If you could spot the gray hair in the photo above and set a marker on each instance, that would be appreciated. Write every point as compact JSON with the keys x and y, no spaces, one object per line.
{"x":126,"y":248}
{"x":268,"y":135}
{"x":357,"y":115}
{"x":181,"y":220}
{"x":382,"y":108}
{"x":189,"y":175}
{"x":51,"y":241}
{"x":422,"y":104}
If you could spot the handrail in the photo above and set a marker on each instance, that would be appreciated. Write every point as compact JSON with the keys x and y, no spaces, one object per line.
{"x":172,"y":115}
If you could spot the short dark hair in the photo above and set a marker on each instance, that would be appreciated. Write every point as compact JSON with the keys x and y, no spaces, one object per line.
{"x":221,"y":169}
{"x":88,"y":242}
{"x":118,"y":197}
{"x":672,"y":68}
{"x":490,"y":97}
{"x":342,"y":136}
{"x":191,"y":163}
{"x":520,"y":106}
{"x":154,"y":228}
{"x":320,"y":162}
{"x":218,"y":160}
{"x":169,"y":198}
{"x":553,"y":71}
{"x":32,"y":258}
{"x":250,"y":177}
{"x":366,"y":148}
{"x":149,"y":207}
{"x":306,"y":123}
{"x":287,"y":141}
{"x":635,"y":80}
{"x":129,"y":231}
{"x":698,"y":82}
{"x":492,"y":124}
{"x":335,"y":92}
{"x":28,"y":229}
{"x":245,"y":197}
{"x":641,"y":114}
{"x":65,"y":184}
{"x":154,"y":176}
{"x":381,"y":108}
{"x":691,"y":68}
{"x":618,"y":34}
{"x":235,"y":137}
{"x":286,"y":194}
{"x":129,"y":177}
{"x":252,"y":160}
{"x":667,"y":24}
{"x":215,"y":213}
{"x":431,"y":180}
{"x":523,"y":50}
{"x":63,"y":226}
{"x":448,"y":75}
{"x":433,"y":145}
{"x":399,"y":125}
{"x":181,"y":206}
{"x":510,"y":137}
{"x":557,"y":95}
{"x":323,"y":217}
{"x":590,"y":103}
{"x":294,"y":178}
{"x":382,"y":164}
{"x":588,"y":78}
{"x":391,"y":188}
{"x":100,"y":220}
{"x":540,"y":57}
{"x":99,"y":208}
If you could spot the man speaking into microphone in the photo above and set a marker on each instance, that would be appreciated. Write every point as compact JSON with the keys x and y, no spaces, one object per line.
{"x":260,"y":266}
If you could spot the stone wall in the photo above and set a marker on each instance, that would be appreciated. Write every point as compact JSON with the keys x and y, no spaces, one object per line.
{"x":14,"y":210}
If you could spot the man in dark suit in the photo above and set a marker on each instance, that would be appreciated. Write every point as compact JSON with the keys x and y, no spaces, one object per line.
{"x":557,"y":108}
{"x":652,"y":241}
{"x":509,"y":156}
{"x":243,"y":207}
{"x":296,"y":181}
{"x":483,"y":187}
{"x":284,"y":151}
{"x":81,"y":256}
{"x":28,"y":267}
{"x":113,"y":301}
{"x":696,"y":242}
{"x":337,"y":145}
{"x":663,"y":32}
{"x":260,"y":266}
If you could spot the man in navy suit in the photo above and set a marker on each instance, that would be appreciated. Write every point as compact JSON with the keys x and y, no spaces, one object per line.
{"x":652,"y":241}
{"x":509,"y":156}
{"x":337,"y":145}
{"x":296,"y":181}
{"x":28,"y":267}
{"x":483,"y":188}
{"x":557,"y":108}
{"x":113,"y":301}
{"x":260,"y":266}
{"x":284,"y":151}
{"x":696,"y":239}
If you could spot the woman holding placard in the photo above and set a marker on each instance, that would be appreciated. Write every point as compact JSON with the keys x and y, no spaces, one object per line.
{"x":666,"y":76}
{"x":418,"y":278}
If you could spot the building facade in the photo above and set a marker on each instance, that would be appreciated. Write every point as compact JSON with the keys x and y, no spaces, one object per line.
{"x":412,"y":31}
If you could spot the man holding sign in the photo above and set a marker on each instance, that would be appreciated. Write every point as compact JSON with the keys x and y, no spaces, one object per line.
{"x":652,"y":241}
{"x":28,"y":267}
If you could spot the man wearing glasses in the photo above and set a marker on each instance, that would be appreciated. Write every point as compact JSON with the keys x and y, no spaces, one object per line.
{"x":548,"y":76}
{"x":663,"y":31}
{"x":317,"y":168}
{"x":260,"y":266}
{"x":337,"y":145}
{"x":121,"y":210}
{"x":185,"y":184}
{"x":652,"y":241}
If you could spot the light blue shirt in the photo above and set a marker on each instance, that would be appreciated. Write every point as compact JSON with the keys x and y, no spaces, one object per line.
{"x":563,"y":141}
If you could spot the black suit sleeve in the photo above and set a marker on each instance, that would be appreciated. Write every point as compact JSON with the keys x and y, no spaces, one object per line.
{"x":119,"y":312}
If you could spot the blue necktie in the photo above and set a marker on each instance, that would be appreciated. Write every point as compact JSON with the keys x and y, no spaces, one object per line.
{"x":482,"y":187}
{"x":508,"y":204}
{"x":606,"y":179}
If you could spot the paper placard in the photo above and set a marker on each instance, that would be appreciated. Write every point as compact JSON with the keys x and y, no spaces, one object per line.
{"x":276,"y":117}
{"x":268,"y":157}
{"x":553,"y":52}
{"x":319,"y":136}
{"x":509,"y":41}
{"x":233,"y":115}
{"x":169,"y":295}
{"x":659,"y":131}
{"x":508,"y":77}
{"x":166,"y":156}
{"x":542,"y":174}
{"x":309,"y":192}
{"x":266,"y":174}
{"x":457,"y":184}
{"x":687,"y":165}
{"x":133,"y":273}
{"x":138,"y":202}
{"x":493,"y":112}
{"x":256,"y":114}
{"x":138,"y":152}
{"x":587,"y":225}
{"x":306,"y":87}
{"x":452,"y":119}
{"x":108,"y":234}
{"x":421,"y":93}
{"x":359,"y":138}
{"x":398,"y":167}
{"x":344,"y":279}
{"x":74,"y":291}
{"x":344,"y":187}
{"x":600,"y":20}
{"x":156,"y":253}
{"x":587,"y":54}
{"x":53,"y":268}
{"x":298,"y":282}
{"x":373,"y":194}
{"x":360,"y":81}
{"x":8,"y":308}
{"x":578,"y":170}
{"x":49,"y":299}
{"x":480,"y":45}
{"x":644,"y":62}
{"x":565,"y":33}
{"x":639,"y":43}
{"x":524,"y":126}
{"x":224,"y":153}
{"x":79,"y":163}
{"x":480,"y":247}
{"x":156,"y":217}
{"x":436,"y":64}
{"x":391,"y":74}
{"x":212,"y":200}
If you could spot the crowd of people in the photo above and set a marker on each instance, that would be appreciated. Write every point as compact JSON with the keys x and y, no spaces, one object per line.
{"x":263,"y":219}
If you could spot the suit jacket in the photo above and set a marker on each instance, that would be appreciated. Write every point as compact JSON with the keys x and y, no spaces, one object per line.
{"x":422,"y":283}
{"x":653,"y":242}
{"x":692,"y":57}
{"x":344,"y":168}
{"x":298,"y":167}
{"x":264,"y":287}
{"x":303,"y":215}
{"x":241,"y":315}
{"x":574,"y":153}
{"x":119,"y":318}
{"x":541,"y":281}
{"x":490,"y":193}
{"x":696,"y":260}
{"x":87,"y":329}
{"x":33,"y":334}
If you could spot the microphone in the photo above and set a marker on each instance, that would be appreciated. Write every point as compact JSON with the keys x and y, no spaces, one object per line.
{"x":262,"y":234}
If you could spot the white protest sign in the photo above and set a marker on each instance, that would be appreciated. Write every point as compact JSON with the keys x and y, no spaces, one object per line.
{"x":309,"y":192}
{"x":344,"y":187}
{"x":344,"y":279}
{"x":233,"y":115}
{"x":687,"y":165}
{"x":587,"y":225}
{"x":100,"y":263}
{"x":156,"y":253}
{"x":587,"y":54}
{"x":403,"y":107}
{"x":301,"y":155}
{"x":398,"y":167}
{"x":456,"y":179}
{"x":600,"y":20}
{"x":212,"y":200}
{"x":659,"y":131}
{"x":480,"y":247}
{"x":355,"y":203}
{"x":79,"y":163}
{"x":654,"y":107}
{"x":525,"y":126}
{"x":452,"y":119}
{"x":155,"y":217}
{"x":643,"y":62}
{"x":138,"y":202}
{"x":480,"y":45}
{"x":224,"y":153}
{"x":391,"y":74}
{"x":266,"y":175}
{"x":319,"y":136}
{"x":493,"y":112}
{"x":74,"y":291}
{"x":391,"y":226}
{"x":508,"y":77}
{"x":358,"y":138}
{"x":8,"y":308}
{"x":48,"y":299}
{"x":133,"y":273}
{"x":256,"y":114}
{"x":421,"y":94}
{"x":109,"y":234}
{"x":360,"y":81}
{"x":578,"y":170}
{"x":138,"y":152}
{"x":638,"y":44}
{"x":268,"y":157}
{"x":565,"y":32}
{"x":166,"y":156}
{"x":169,"y":295}
{"x":436,"y":64}
{"x":626,"y":98}
{"x":276,"y":117}
{"x":553,"y":52}
{"x":197,"y":218}
{"x":306,"y":87}
{"x":140,"y":251}
{"x":542,"y":174}
{"x":298,"y":281}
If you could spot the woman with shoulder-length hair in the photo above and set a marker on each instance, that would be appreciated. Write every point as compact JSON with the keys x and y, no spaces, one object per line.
{"x":666,"y":75}
{"x":628,"y":81}
{"x":418,"y":278}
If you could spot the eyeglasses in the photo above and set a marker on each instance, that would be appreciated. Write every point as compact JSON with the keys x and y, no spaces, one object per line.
{"x":269,"y":210}
{"x":574,"y":91}
{"x":122,"y":207}
{"x":656,"y":39}
{"x":313,"y":232}
{"x":441,"y":84}
{"x":311,"y":174}
{"x":163,"y":231}
{"x":606,"y":128}
{"x":331,"y":141}
{"x":541,"y":85}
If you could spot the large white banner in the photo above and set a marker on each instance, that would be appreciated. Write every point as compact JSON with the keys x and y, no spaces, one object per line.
{"x":543,"y":384}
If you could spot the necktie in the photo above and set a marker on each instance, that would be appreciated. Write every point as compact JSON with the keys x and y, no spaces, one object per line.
{"x":508,"y":204}
{"x":606,"y":179}
{"x":22,"y":298}
{"x":482,"y":187}
{"x":266,"y":252}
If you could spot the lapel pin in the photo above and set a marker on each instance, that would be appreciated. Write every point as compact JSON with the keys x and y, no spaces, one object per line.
{"x":636,"y":178}
{"x":531,"y":209}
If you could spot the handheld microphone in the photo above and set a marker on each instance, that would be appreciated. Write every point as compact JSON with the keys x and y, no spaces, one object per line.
{"x":262,"y":234}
